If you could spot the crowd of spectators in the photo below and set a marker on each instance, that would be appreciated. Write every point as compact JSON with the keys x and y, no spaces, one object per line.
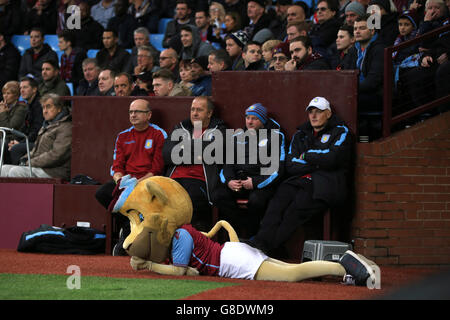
{"x":283,"y":35}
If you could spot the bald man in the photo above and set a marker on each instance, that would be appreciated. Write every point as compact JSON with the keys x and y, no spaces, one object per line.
{"x":137,"y":152}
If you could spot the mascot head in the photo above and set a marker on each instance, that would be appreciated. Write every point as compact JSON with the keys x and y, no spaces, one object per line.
{"x":156,"y":207}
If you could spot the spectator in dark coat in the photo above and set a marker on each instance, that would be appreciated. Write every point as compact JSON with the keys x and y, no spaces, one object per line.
{"x":324,"y":33}
{"x":33,"y":120}
{"x":90,"y":34}
{"x":123,"y":24}
{"x":33,"y":57}
{"x":367,"y":57}
{"x":43,"y":15}
{"x":259,"y":19}
{"x":173,"y":28}
{"x":71,"y":69}
{"x":389,"y":22}
{"x":88,"y":86}
{"x":147,"y":13}
{"x":112,"y":56}
{"x":303,"y":56}
{"x":10,"y":18}
{"x":9,"y":61}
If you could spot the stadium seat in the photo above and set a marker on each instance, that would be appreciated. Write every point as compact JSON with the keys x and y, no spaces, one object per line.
{"x":162,"y":24}
{"x":156,"y":40}
{"x":70,"y":85}
{"x":22,"y":42}
{"x":129,"y":50}
{"x":52,"y":41}
{"x":92,"y":53}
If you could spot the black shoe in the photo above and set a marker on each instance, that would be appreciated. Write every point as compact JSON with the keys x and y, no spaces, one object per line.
{"x":357,"y":267}
{"x":118,"y":249}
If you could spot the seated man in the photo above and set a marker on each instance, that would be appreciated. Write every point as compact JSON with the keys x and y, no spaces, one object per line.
{"x":125,"y":87}
{"x":112,"y":56}
{"x":317,"y":165}
{"x":193,"y":46}
{"x":252,"y":56}
{"x":245,"y":178}
{"x":51,"y":155}
{"x":201,"y":78}
{"x":137,"y":152}
{"x":164,"y":85}
{"x":303,"y":57}
{"x":235,"y":42}
{"x":106,"y":82}
{"x":31,"y":62}
{"x":88,"y":86}
{"x":51,"y":80}
{"x":33,"y":120}
{"x":199,"y":178}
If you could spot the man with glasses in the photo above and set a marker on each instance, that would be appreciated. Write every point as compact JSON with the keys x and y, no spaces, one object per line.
{"x":168,"y":59}
{"x":280,"y":55}
{"x":137,"y":152}
{"x":323,"y":34}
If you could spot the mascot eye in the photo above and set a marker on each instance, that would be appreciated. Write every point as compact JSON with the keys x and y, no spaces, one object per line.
{"x":141,"y":217}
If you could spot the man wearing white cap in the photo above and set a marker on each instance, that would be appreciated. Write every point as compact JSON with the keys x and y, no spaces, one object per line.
{"x":316,"y":169}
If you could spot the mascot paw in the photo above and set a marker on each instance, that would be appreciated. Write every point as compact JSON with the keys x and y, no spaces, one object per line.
{"x":192,"y":272}
{"x":138,"y":263}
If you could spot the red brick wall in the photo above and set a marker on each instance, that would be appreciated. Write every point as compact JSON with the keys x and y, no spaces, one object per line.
{"x":403,"y":196}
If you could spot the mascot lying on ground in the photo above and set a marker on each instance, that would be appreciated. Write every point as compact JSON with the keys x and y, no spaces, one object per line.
{"x":160,"y":211}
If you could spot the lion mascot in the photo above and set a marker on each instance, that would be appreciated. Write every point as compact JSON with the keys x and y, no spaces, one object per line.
{"x":160,"y":212}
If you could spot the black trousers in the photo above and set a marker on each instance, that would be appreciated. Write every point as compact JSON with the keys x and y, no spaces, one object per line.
{"x":104,"y":196}
{"x":291,"y":207}
{"x":245,"y":221}
{"x":202,"y":214}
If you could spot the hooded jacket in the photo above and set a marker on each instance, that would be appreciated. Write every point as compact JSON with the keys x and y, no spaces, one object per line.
{"x":198,"y":47}
{"x":263,"y":147}
{"x":211,"y":171}
{"x":326,"y":157}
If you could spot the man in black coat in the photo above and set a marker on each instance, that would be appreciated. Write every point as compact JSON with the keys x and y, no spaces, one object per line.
{"x":33,"y":120}
{"x":250,"y":176}
{"x":192,"y":169}
{"x":32,"y":59}
{"x":323,"y":34}
{"x":367,"y":57}
{"x":316,"y":167}
{"x":9,"y":61}
{"x":303,"y":57}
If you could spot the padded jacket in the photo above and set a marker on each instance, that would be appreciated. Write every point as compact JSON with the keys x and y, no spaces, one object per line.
{"x":326,"y":158}
{"x":264,"y":148}
{"x":53,"y":147}
{"x":185,"y":128}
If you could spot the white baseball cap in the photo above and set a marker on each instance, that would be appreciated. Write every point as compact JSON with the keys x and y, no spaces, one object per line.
{"x":319,"y":103}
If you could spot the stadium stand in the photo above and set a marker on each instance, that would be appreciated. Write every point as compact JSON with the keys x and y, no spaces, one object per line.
{"x":22,"y":42}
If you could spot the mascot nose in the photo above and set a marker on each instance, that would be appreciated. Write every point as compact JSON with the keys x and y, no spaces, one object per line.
{"x":141,"y":246}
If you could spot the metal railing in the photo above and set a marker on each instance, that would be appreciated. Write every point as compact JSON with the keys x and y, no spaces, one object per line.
{"x":17,"y":133}
{"x":388,"y":119}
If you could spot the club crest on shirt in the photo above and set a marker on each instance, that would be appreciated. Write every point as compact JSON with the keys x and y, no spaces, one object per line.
{"x":148,"y":144}
{"x":263,"y":143}
{"x":325,"y":138}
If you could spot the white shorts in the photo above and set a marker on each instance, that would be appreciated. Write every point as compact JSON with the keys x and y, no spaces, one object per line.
{"x":240,"y":261}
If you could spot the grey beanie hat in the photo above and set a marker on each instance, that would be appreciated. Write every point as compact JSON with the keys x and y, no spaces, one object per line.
{"x":355,"y":7}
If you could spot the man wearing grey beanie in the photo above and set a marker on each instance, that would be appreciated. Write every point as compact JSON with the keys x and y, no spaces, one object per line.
{"x":352,"y":11}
